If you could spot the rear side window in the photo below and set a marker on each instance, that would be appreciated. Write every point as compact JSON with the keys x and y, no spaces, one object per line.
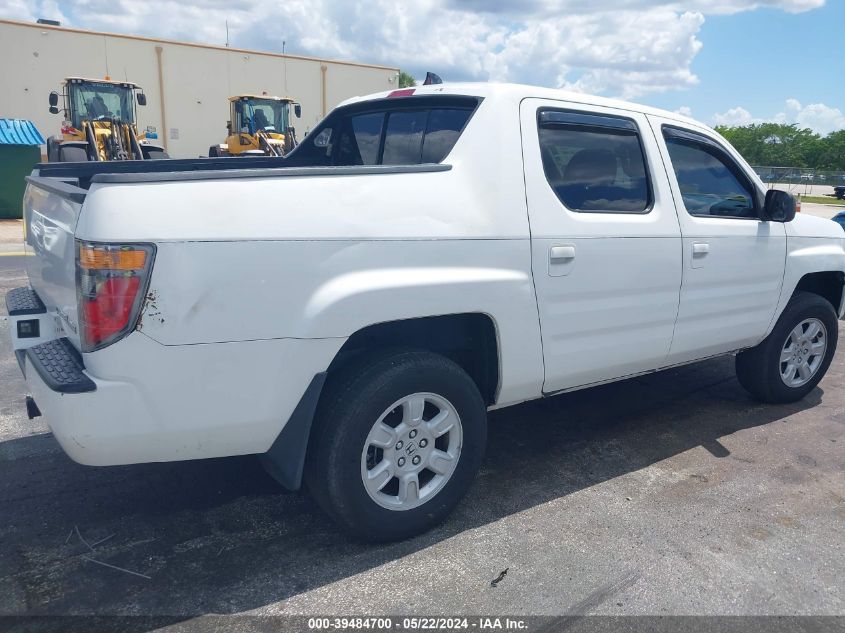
{"x":442,"y":132}
{"x":711,"y":183}
{"x":401,"y":131}
{"x":404,"y":138}
{"x":594,"y":163}
{"x":359,"y":144}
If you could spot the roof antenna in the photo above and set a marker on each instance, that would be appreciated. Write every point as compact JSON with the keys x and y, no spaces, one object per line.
{"x":227,"y":33}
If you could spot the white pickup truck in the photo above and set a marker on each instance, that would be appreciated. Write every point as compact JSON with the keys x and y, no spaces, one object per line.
{"x":352,"y":311}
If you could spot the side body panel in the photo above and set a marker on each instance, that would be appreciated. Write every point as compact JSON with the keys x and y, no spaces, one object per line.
{"x":813,"y":245}
{"x":732,"y":272}
{"x":608,"y":311}
{"x":258,"y":282}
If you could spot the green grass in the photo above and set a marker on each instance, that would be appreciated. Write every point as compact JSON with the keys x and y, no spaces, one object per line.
{"x":823,"y":200}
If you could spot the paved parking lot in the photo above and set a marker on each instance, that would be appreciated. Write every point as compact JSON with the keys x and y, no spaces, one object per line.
{"x":668,"y":494}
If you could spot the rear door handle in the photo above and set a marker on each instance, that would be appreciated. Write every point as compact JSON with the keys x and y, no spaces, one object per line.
{"x":562,"y":253}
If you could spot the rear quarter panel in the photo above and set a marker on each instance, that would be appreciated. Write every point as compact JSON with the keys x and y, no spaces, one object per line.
{"x":322,"y":257}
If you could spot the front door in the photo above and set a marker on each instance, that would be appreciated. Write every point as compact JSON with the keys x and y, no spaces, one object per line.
{"x":733,"y":261}
{"x":606,"y":246}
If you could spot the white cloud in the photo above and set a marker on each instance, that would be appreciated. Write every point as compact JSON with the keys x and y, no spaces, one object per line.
{"x":685,"y":111}
{"x":816,"y":116}
{"x":622,"y":48}
{"x":735,"y":117}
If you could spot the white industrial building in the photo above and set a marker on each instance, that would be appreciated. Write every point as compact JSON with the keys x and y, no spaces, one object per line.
{"x":187,"y":85}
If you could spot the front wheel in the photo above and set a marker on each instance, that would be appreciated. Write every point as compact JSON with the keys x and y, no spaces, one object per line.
{"x":791,"y":361}
{"x":398,"y":439}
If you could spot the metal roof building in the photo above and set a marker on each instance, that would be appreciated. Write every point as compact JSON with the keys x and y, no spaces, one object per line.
{"x":187,"y":85}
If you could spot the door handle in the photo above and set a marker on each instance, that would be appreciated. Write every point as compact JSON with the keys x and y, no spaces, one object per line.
{"x":562,"y":253}
{"x":700,"y":248}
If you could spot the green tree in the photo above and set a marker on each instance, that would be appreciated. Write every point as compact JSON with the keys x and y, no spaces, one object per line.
{"x":406,"y":80}
{"x":776,"y":144}
{"x":832,"y":155}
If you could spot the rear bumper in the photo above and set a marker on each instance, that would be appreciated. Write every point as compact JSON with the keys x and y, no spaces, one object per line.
{"x":155,"y":403}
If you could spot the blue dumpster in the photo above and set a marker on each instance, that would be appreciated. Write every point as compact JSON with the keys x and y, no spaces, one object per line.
{"x":20,"y":149}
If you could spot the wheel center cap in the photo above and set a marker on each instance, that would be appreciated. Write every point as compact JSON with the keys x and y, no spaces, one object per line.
{"x":410,"y":448}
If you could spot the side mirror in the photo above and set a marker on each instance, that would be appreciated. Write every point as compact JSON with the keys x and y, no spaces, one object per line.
{"x":142,"y":99}
{"x":229,"y":127}
{"x":779,"y":206}
{"x":54,"y":99}
{"x":54,"y":110}
{"x":297,"y":110}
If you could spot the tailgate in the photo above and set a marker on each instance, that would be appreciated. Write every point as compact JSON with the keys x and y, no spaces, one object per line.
{"x":51,"y":211}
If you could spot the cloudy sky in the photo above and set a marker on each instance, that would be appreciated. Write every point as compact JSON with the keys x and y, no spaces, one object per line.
{"x":722,"y":61}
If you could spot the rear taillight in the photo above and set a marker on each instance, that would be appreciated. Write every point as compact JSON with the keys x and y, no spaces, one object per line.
{"x":111,"y":280}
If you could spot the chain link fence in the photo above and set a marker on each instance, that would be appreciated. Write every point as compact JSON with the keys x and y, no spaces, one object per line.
{"x":805,"y":182}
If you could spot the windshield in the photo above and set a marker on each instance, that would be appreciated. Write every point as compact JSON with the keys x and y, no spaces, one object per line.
{"x":92,"y":100}
{"x":262,"y":114}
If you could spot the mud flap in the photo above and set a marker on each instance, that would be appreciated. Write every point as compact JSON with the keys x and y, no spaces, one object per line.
{"x":285,"y":460}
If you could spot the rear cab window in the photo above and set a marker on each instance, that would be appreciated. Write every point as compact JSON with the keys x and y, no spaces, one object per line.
{"x":595,"y":163}
{"x":398,"y":131}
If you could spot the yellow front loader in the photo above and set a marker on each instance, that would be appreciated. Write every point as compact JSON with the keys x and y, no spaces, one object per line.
{"x":259,"y":126}
{"x":100,"y":123}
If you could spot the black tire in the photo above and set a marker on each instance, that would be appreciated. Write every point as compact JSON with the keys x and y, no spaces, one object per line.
{"x":351,"y":404}
{"x":759,"y":368}
{"x":72,"y":154}
{"x":153,"y":153}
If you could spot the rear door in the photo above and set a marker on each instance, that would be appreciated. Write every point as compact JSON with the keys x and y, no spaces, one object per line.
{"x":606,"y":247}
{"x":733,"y":261}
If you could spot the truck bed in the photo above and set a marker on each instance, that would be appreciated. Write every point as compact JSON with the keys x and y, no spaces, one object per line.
{"x":81,"y":174}
{"x":72,"y":180}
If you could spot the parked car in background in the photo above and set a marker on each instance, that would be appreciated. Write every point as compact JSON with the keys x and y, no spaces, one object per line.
{"x":422,"y":257}
{"x":839,"y":191}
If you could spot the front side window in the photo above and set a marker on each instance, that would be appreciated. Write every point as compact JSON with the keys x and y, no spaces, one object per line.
{"x":710,"y":182}
{"x":594,"y":163}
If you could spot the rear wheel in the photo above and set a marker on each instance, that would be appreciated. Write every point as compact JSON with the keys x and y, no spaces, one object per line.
{"x":792,"y":360}
{"x":398,"y":439}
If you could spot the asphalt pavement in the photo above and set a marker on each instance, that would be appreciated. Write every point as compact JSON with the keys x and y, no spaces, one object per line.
{"x":672,"y":493}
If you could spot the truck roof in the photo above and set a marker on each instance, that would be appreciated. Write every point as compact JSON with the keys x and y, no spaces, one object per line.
{"x":518,"y":92}
{"x":268,"y":97}
{"x":128,"y":84}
